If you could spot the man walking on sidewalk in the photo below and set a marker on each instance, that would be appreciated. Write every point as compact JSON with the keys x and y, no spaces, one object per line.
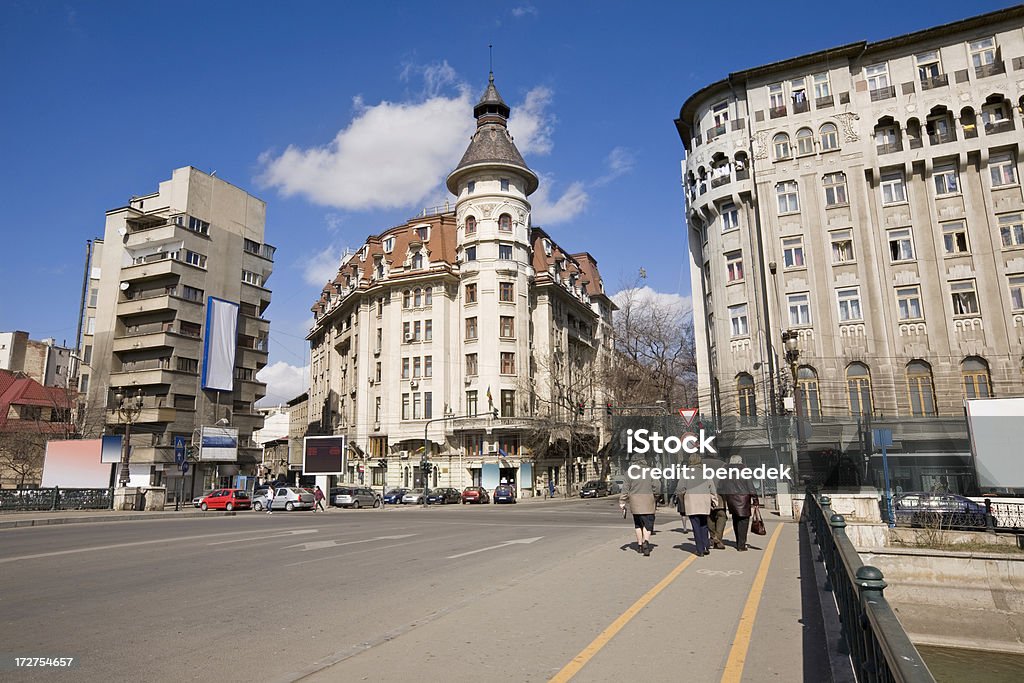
{"x":318,"y":495}
{"x":270,"y":499}
{"x":718,"y":516}
{"x":638,"y":493}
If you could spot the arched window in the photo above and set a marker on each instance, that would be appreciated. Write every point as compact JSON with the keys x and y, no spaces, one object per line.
{"x":406,"y":299}
{"x":977,"y":383}
{"x":780,"y":143}
{"x":807,"y":385}
{"x":746,"y":395}
{"x":505,"y":222}
{"x":470,"y":225}
{"x":919,"y":386}
{"x":417,"y":260}
{"x":418,"y":297}
{"x":428,"y":296}
{"x":858,"y":385}
{"x":829,"y":136}
{"x":804,"y":141}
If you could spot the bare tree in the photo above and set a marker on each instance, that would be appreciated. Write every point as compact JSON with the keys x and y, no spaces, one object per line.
{"x":21,"y":456}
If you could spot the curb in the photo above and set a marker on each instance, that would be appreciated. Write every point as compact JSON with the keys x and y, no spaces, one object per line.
{"x":37,"y":521}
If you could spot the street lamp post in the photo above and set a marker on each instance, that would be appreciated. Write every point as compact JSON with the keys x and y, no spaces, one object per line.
{"x":790,"y":341}
{"x":128,"y":409}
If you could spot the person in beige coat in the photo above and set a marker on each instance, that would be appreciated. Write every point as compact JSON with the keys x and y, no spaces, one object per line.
{"x":697,"y":503}
{"x":638,"y":493}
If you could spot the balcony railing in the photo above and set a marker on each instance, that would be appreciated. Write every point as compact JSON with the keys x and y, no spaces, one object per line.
{"x":777,"y":112}
{"x":720,"y":180}
{"x":715,"y":132}
{"x":883,"y":93}
{"x":742,"y":174}
{"x":801,"y":106}
{"x":890,"y":147}
{"x":998,"y":127}
{"x":993,"y":69}
{"x":262,"y":250}
{"x":823,"y":102}
{"x":916,"y":143}
{"x":152,"y":364}
{"x":942,"y":138}
{"x":970,"y":131}
{"x":931,"y":82}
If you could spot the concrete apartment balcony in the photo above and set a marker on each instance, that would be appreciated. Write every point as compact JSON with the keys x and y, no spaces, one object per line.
{"x":150,"y":302}
{"x":144,"y":377}
{"x":147,"y":416}
{"x":153,"y":269}
{"x":162,"y":234}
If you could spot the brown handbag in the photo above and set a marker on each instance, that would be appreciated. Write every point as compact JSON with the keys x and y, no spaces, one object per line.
{"x":757,"y":524}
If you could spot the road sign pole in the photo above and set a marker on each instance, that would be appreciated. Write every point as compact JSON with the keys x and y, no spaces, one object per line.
{"x":888,"y":489}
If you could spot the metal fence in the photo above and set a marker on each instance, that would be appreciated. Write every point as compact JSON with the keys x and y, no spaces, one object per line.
{"x":18,"y":500}
{"x":879,"y":647}
{"x":995,"y":517}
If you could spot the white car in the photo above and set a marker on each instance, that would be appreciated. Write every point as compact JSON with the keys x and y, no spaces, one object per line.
{"x":414,"y":497}
{"x":285,"y":498}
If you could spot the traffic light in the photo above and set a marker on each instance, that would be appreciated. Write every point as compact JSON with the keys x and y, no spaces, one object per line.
{"x":580,"y":408}
{"x":495,"y":412}
{"x":608,"y":409}
{"x":427,"y":467}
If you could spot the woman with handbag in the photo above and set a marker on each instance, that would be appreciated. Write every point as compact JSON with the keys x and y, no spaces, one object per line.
{"x":740,"y":498}
{"x":697,"y":500}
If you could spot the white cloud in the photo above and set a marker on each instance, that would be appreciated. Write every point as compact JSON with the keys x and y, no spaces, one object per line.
{"x":284,"y":382}
{"x":648,"y":298}
{"x":549,"y":211}
{"x":523,"y":10}
{"x":321,"y":267}
{"x":531,"y":124}
{"x":619,"y":162}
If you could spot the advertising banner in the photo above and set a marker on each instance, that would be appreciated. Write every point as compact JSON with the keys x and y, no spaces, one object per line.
{"x":219,"y":342}
{"x":111,"y":451}
{"x":323,"y":455}
{"x":219,"y":444}
{"x":75,"y":464}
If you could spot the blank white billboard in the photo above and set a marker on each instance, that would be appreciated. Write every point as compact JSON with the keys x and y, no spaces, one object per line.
{"x":997,"y":432}
{"x":221,"y":336}
{"x":219,"y":444}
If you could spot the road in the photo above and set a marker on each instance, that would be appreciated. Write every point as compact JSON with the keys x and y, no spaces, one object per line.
{"x":520,"y":593}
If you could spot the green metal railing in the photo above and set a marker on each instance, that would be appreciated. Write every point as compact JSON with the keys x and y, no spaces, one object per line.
{"x":879,"y":647}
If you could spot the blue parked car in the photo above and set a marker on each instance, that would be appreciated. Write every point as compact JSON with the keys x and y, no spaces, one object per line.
{"x":394,"y":496}
{"x":504,"y":494}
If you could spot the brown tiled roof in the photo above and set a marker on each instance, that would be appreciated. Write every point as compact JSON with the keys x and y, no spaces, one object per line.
{"x":21,"y":390}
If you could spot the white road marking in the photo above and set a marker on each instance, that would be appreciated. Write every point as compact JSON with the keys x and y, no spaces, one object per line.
{"x":280,"y":534}
{"x":333,"y":543}
{"x":371,"y":550}
{"x":521,"y":541}
{"x":720,"y":572}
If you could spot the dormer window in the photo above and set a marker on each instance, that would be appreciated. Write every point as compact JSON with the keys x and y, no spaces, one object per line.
{"x":389,"y":245}
{"x":505,"y":222}
{"x":504,"y":184}
{"x":547,"y":247}
{"x":471,"y":187}
{"x":417,"y":260}
{"x":363,"y":252}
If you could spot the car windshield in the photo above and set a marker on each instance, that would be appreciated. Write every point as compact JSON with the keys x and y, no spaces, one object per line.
{"x":416,"y":491}
{"x":241,"y":494}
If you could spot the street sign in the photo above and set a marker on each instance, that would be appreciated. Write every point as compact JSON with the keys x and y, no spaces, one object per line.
{"x":882,"y":437}
{"x":184,"y":467}
{"x":179,"y":449}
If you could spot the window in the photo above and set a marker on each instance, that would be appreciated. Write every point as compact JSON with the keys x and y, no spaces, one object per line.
{"x":195,"y":259}
{"x":508,"y":363}
{"x":93,"y":296}
{"x":908,"y":302}
{"x":87,"y":354}
{"x":508,"y":403}
{"x":504,"y":184}
{"x":835,"y":189}
{"x":720,"y":114}
{"x":738,"y":320}
{"x":405,"y":406}
{"x":983,"y":52}
{"x":746,"y":395}
{"x":428,"y":296}
{"x":793,"y":252}
{"x":901,"y":245}
{"x":428,"y":330}
{"x":505,"y":222}
{"x":90,"y":325}
{"x":376,"y":409}
{"x":196,"y":225}
{"x":976,"y":380}
{"x":505,"y":252}
{"x":471,"y":328}
{"x":780,"y":143}
{"x":821,"y":86}
{"x":734,"y":266}
{"x":878,"y":76}
{"x":954,"y":238}
{"x":417,"y":297}
{"x":378,"y":373}
{"x":380,"y":307}
{"x":470,"y":225}
{"x":798,"y":93}
{"x":252,"y":278}
{"x":965,"y":298}
{"x":416,"y":368}
{"x":389,"y":245}
{"x":471,"y":187}
{"x":507,"y":327}
{"x":894,"y":189}
{"x":1017,"y":293}
{"x":428,"y":405}
{"x":928,"y":69}
{"x":417,"y":260}
{"x":83,"y":384}
{"x":858,"y":387}
{"x":405,"y":368}
{"x":993,"y":114}
{"x":730,"y":217}
{"x":193,"y":294}
{"x":787,"y":194}
{"x":776,"y":98}
{"x":471,"y":403}
{"x":804,"y":141}
{"x":506,"y":292}
{"x":887,"y":140}
{"x":416,"y":326}
{"x":919,"y":386}
{"x":849,"y":304}
{"x":471,"y":293}
{"x":470,"y":253}
{"x":423,"y":233}
{"x":407,"y":332}
{"x":472,"y":368}
{"x":946,"y":179}
{"x":810,"y":400}
{"x":842,"y":246}
{"x":799,"y":309}
{"x":829,"y":136}
{"x":1003,"y":168}
{"x":417,"y":403}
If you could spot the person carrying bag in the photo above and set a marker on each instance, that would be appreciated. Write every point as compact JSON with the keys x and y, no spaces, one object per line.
{"x":756,"y":523}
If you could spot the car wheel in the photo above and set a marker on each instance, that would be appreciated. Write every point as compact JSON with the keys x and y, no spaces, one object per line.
{"x":356,"y":505}
{"x":376,"y":502}
{"x":229,"y":507}
{"x":257,"y":506}
{"x":289,"y":506}
{"x":204,"y":507}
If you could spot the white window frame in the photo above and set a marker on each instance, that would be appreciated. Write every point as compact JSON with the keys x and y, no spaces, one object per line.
{"x":931,"y":62}
{"x":877,"y":76}
{"x":1011,"y":230}
{"x":833,"y":189}
{"x":776,"y":96}
{"x":738,"y":324}
{"x":849,"y":306}
{"x":792,"y":248}
{"x":837,"y":238}
{"x":946,"y":178}
{"x":829,"y":141}
{"x":951,"y":245}
{"x":720,"y":113}
{"x":964,"y":294}
{"x":908,"y":303}
{"x":734,"y":266}
{"x":799,"y":306}
{"x":730,"y":217}
{"x":995,"y":113}
{"x":907,"y":238}
{"x":1016,"y":283}
{"x":787,"y":195}
{"x":781,"y":147}
{"x":822,"y":85}
{"x":1005,"y":164}
{"x":804,"y":143}
{"x":893,"y":186}
{"x":982,"y":51}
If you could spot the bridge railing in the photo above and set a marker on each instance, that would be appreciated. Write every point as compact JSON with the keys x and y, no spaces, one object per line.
{"x":879,"y":647}
{"x":22,"y":500}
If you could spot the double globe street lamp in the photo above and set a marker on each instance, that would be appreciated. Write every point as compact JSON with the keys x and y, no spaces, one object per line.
{"x":128,"y":409}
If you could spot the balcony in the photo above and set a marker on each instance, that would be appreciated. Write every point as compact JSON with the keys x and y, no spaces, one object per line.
{"x":144,"y":377}
{"x":716,"y":132}
{"x":823,"y":102}
{"x":777,"y":112}
{"x":997,"y":127}
{"x":149,"y":415}
{"x":884,"y":93}
{"x":720,"y":180}
{"x":890,"y":147}
{"x":941,"y":138}
{"x":153,"y":268}
{"x":264,"y":251}
{"x":993,"y":69}
{"x":801,"y":106}
{"x":932,"y":82}
{"x":151,"y":236}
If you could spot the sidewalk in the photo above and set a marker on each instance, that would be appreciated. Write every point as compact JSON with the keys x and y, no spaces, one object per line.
{"x":10,"y":520}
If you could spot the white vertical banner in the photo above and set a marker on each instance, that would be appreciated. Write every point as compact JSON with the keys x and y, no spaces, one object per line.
{"x":221,"y":336}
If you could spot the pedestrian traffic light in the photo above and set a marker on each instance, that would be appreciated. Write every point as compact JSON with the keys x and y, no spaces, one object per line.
{"x":608,"y":408}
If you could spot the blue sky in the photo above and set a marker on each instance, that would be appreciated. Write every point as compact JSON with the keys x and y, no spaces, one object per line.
{"x":346,"y":117}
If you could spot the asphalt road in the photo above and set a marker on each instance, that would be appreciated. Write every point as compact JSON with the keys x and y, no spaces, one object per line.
{"x":445,"y":593}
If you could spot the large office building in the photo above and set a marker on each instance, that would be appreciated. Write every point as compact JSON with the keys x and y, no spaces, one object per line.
{"x":175,"y":314}
{"x":468,"y":313}
{"x":865,"y":200}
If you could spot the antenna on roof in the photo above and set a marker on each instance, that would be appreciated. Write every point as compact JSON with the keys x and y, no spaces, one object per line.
{"x":490,"y":60}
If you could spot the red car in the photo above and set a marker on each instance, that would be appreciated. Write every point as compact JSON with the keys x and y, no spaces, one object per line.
{"x":475,"y":494}
{"x":226,"y":499}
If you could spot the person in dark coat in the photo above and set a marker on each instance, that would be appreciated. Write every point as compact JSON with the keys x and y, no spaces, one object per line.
{"x":740,"y":496}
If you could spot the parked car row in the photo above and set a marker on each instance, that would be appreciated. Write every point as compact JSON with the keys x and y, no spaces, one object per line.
{"x":296,"y":498}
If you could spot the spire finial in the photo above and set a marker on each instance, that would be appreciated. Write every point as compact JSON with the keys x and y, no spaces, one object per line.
{"x":490,"y":62}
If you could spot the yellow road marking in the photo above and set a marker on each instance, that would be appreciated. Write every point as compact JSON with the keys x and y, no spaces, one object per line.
{"x":580,"y":660}
{"x":741,"y":643}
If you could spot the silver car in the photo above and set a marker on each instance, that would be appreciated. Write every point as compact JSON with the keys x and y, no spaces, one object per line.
{"x":354,"y":497}
{"x":414,"y":497}
{"x":286,"y":498}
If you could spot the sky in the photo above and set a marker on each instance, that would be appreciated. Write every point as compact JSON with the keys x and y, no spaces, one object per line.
{"x":347,"y":117}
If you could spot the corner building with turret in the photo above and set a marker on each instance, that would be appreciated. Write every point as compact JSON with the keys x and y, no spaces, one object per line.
{"x":472,"y":327}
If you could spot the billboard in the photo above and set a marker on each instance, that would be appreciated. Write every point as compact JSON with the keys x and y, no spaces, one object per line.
{"x":110,"y":453}
{"x":221,"y":336}
{"x":996,"y":427}
{"x":323,"y":455}
{"x":75,"y":464}
{"x":219,"y":443}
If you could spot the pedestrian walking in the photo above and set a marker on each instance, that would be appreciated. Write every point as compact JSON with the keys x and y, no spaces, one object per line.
{"x":697,"y":502}
{"x":551,"y":488}
{"x":318,"y":495}
{"x":638,"y":494}
{"x":680,"y":489}
{"x":270,"y":500}
{"x":718,"y":516}
{"x":740,"y":495}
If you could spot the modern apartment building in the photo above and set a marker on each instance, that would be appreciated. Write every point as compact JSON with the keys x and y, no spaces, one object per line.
{"x":866,"y":199}
{"x":471,"y":313}
{"x":172,"y":264}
